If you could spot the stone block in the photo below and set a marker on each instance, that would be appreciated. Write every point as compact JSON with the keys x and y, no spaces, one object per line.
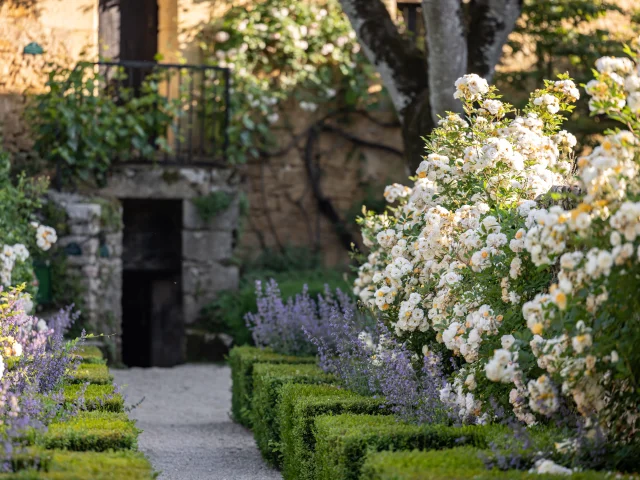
{"x":88,"y":229}
{"x":202,"y":281}
{"x":83,"y":212}
{"x":207,"y":246}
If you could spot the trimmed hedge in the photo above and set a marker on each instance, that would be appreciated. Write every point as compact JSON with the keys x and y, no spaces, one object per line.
{"x":95,"y":373}
{"x":462,"y":463}
{"x":342,"y":441}
{"x":96,"y":431}
{"x":64,"y":465}
{"x":90,"y":354}
{"x":96,"y":397}
{"x":299,"y":406}
{"x":268,"y":380}
{"x":242,"y":359}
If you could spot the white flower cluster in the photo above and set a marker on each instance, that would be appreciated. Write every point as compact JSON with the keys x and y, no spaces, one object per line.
{"x":10,"y":255}
{"x":472,"y":243}
{"x":447,"y":229}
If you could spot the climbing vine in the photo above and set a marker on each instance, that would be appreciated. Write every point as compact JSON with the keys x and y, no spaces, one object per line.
{"x":282,"y":53}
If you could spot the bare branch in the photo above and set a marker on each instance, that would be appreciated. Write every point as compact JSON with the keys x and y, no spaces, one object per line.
{"x":491,"y":23}
{"x":401,"y":65}
{"x":447,"y":57}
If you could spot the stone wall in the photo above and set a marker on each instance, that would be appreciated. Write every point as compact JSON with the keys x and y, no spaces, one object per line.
{"x":283,"y":209}
{"x":94,"y":246}
{"x":207,"y":247}
{"x":64,"y":29}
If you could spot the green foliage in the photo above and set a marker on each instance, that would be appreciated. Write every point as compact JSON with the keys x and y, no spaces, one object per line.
{"x":557,"y":34}
{"x":212,"y":204}
{"x":299,"y":406}
{"x":343,"y":441}
{"x":65,"y":465}
{"x":268,"y":380}
{"x":283,"y":49}
{"x":81,"y":125}
{"x":19,"y":204}
{"x":96,"y":397}
{"x":96,"y":431}
{"x":90,"y":354}
{"x":95,"y":373}
{"x":460,"y":463}
{"x":242,"y":361}
{"x":226,"y":312}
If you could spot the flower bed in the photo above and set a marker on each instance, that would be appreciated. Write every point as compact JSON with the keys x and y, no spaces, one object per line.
{"x":63,"y":419}
{"x":502,"y":288}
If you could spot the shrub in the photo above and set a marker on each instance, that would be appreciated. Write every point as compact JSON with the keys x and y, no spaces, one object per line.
{"x":342,"y":441}
{"x":96,"y":431}
{"x":93,"y":373}
{"x":227,"y":311}
{"x":242,"y":360}
{"x":65,"y":465}
{"x":285,"y":326}
{"x":90,"y":354}
{"x":460,"y":463}
{"x":94,"y":397}
{"x":268,"y":380}
{"x":299,"y":406}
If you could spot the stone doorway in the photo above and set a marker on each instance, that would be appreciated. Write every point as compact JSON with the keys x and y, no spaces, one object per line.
{"x":152,"y":318}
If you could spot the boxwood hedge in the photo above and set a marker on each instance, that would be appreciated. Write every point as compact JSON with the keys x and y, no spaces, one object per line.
{"x":343,"y":441}
{"x":461,"y":463}
{"x":298,"y":408}
{"x":268,"y":380}
{"x":95,"y":431}
{"x":242,"y":359}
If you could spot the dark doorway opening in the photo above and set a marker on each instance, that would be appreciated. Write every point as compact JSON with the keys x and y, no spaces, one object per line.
{"x":138,"y":35}
{"x":152,"y":320}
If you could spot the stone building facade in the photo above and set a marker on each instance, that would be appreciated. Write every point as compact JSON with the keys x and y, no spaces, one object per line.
{"x":282,"y":208}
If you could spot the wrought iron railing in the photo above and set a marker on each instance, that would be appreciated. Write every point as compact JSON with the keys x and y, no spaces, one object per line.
{"x":199,"y":95}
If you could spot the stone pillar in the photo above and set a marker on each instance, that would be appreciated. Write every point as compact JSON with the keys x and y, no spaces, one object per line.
{"x":207,"y":250}
{"x":94,"y":250}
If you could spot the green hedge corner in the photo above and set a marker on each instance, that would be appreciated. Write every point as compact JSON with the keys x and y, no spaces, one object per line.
{"x":95,"y":373}
{"x":343,"y":441}
{"x":96,"y":397}
{"x":92,"y":431}
{"x":299,"y":406}
{"x":242,"y":359}
{"x":90,"y":354}
{"x":268,"y":380}
{"x":461,"y":463}
{"x":65,"y":465}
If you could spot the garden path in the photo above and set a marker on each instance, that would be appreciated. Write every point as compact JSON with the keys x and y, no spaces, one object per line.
{"x":188,"y":434}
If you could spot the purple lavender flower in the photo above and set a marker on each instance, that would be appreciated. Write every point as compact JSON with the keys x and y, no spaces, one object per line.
{"x":281,"y":325}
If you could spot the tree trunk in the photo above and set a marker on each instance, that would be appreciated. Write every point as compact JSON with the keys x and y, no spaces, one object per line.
{"x":417,"y":125}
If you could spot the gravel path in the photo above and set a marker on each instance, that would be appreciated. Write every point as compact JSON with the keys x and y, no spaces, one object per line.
{"x":188,"y":434}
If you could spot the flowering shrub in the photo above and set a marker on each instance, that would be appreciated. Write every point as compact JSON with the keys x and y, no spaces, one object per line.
{"x":21,"y":234}
{"x":282,"y":49}
{"x":366,"y":358}
{"x":529,"y":284}
{"x":34,"y":361}
{"x":283,"y":326}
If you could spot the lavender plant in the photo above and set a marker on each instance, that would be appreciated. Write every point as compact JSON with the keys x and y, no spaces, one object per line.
{"x":368,"y":359}
{"x":281,"y":325}
{"x":38,"y":359}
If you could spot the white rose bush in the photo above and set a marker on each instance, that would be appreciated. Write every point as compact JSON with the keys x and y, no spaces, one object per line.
{"x":520,"y":259}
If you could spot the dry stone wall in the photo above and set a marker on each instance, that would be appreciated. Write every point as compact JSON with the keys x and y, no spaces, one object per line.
{"x":94,"y":246}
